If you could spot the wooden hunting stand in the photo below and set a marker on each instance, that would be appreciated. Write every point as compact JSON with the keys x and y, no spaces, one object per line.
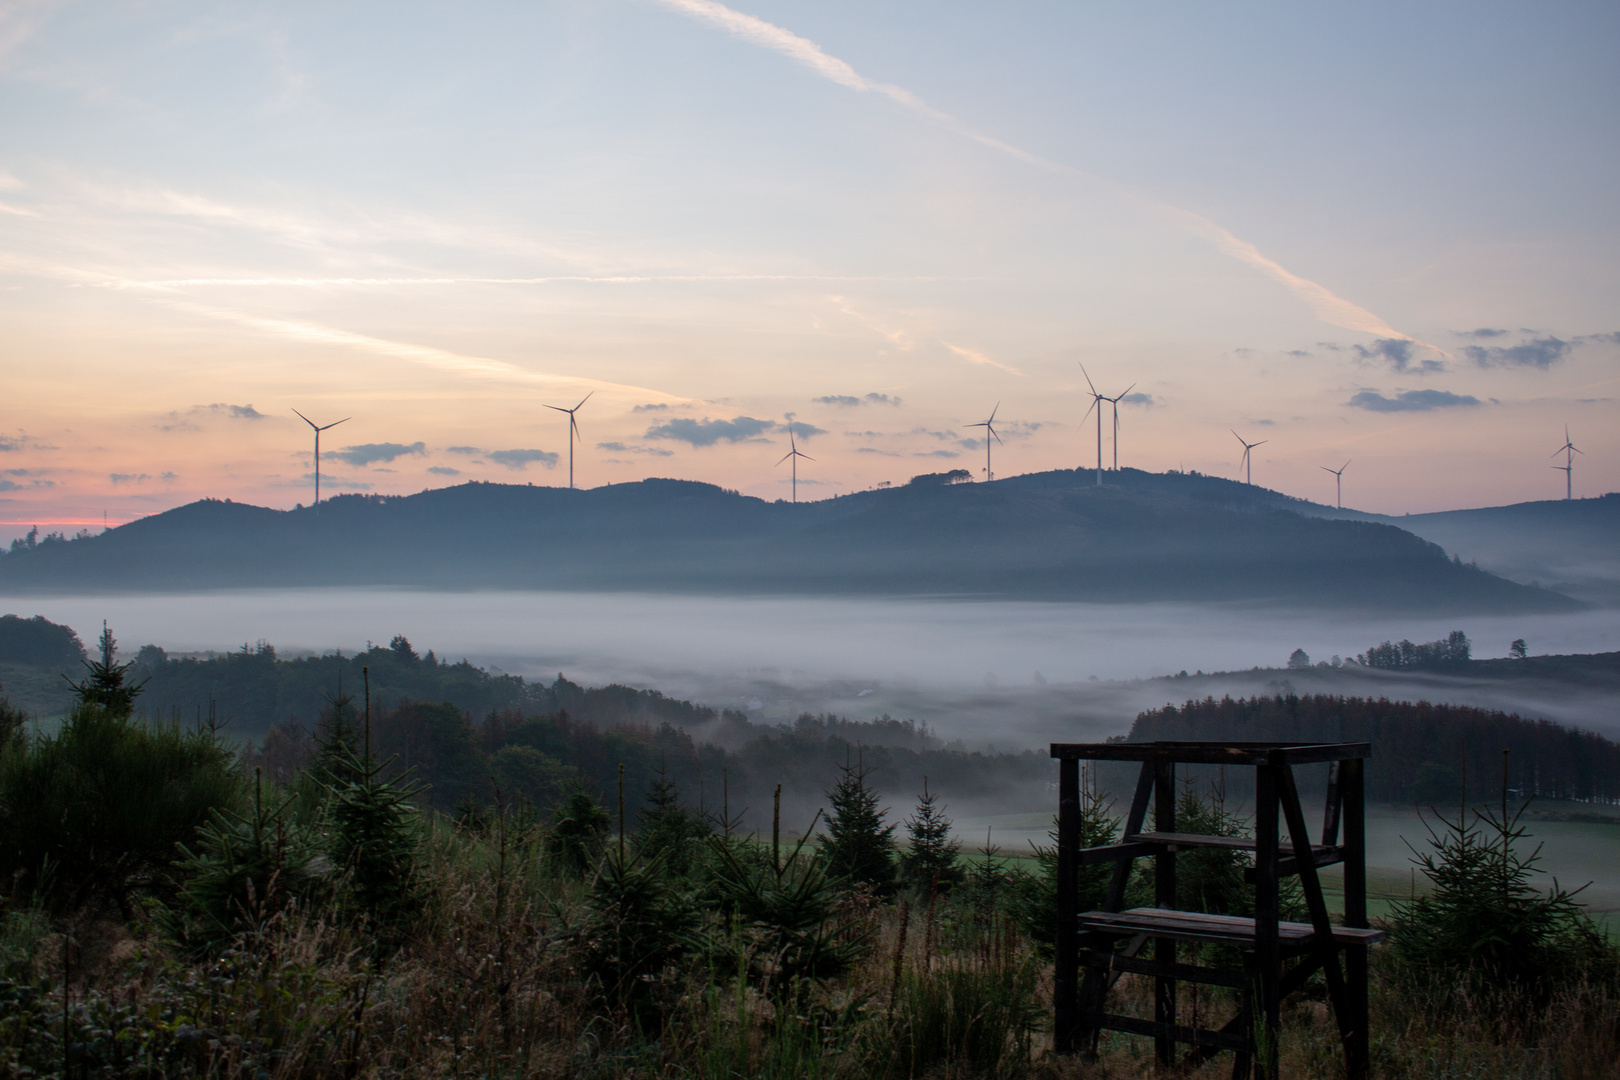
{"x":1091,"y":939}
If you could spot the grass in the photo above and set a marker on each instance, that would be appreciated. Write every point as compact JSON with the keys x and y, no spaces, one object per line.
{"x":492,"y":980}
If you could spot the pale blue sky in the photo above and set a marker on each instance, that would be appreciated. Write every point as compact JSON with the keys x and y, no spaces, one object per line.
{"x":438,"y":217}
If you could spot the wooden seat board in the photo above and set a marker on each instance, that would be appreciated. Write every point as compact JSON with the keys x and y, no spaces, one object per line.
{"x":1222,"y":929}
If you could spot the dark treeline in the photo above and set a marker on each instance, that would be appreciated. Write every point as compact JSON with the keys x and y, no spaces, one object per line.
{"x":252,"y":689}
{"x":541,"y":757}
{"x":1420,"y":752}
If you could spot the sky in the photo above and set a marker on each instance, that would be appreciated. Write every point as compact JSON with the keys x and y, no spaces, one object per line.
{"x":1379,"y":233}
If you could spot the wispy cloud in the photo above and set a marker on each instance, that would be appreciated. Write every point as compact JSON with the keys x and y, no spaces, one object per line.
{"x":1400,"y":353}
{"x":1541,"y":352}
{"x":850,"y":401}
{"x":1411,"y":401}
{"x":975,"y":357}
{"x":708,"y":432}
{"x":1326,"y":305}
{"x":443,"y":470}
{"x":522,"y":459}
{"x":371,"y":453}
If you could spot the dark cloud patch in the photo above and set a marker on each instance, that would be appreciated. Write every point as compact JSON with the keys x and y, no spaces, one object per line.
{"x":1330,"y":346}
{"x":119,"y":478}
{"x":655,"y":407}
{"x":866,"y":434}
{"x":329,"y":481}
{"x":244,"y":412}
{"x":443,"y":470}
{"x":708,"y":432}
{"x":180,"y":421}
{"x":1482,"y":332}
{"x":1399,"y":353}
{"x":1607,"y":339}
{"x":1411,"y":401}
{"x":371,"y":453}
{"x":875,"y":450}
{"x":937,"y":453}
{"x":803,"y":430}
{"x":1137,"y":398}
{"x":522,"y":459}
{"x":1541,"y":352}
{"x":1264,"y":423}
{"x":472,"y":451}
{"x":12,"y":485}
{"x":1298,"y":353}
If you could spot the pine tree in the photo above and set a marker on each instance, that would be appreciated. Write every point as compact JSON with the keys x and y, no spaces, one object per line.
{"x":668,"y":829}
{"x":858,"y":846}
{"x":931,"y":854}
{"x":104,"y":686}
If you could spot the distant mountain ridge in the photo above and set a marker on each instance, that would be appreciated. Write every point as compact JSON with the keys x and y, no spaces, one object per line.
{"x":1053,"y":535}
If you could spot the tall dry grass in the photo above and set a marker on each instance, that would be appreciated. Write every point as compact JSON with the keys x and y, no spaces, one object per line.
{"x":494,"y":979}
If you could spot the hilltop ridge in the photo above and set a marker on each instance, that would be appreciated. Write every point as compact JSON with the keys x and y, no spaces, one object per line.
{"x":1051,"y":535}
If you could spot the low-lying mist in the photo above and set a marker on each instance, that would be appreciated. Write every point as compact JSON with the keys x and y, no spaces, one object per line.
{"x":993,"y":674}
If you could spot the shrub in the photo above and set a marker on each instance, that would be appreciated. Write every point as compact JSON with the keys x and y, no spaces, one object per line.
{"x":95,"y":812}
{"x":1484,"y":920}
{"x":931,"y":853}
{"x":575,"y":839}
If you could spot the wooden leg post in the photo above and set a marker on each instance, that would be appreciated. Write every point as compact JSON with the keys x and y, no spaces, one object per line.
{"x":1065,"y":977}
{"x":1267,"y":953}
{"x":1164,"y":896}
{"x":1352,"y":791}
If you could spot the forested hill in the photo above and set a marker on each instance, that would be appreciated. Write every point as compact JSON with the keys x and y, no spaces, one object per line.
{"x":1053,"y":535}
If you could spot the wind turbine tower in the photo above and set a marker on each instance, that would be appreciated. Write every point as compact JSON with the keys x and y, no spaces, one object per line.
{"x":573,"y":433}
{"x":1114,"y":401}
{"x":1096,"y":403}
{"x":1569,"y":450}
{"x":794,"y":455}
{"x":1248,"y":462}
{"x":1338,"y":475}
{"x":989,"y":433}
{"x":318,"y":431}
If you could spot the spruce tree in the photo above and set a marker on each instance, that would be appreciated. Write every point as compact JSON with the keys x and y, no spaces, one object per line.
{"x":668,"y":829}
{"x":858,"y":846}
{"x":105,"y":686}
{"x":931,"y":853}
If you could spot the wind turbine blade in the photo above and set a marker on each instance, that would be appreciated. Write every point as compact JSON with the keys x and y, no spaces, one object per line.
{"x":1346,"y":465}
{"x":335,"y":423}
{"x":1125,"y":391}
{"x":785,"y":457}
{"x":558,"y":408}
{"x":304,"y":418}
{"x":1238,"y":437}
{"x":1088,"y":380}
{"x":573,"y":427}
{"x":993,"y":413}
{"x":1086,"y":417}
{"x":994,"y":435}
{"x":583,"y":400}
{"x":1262,"y":442}
{"x":807,"y":457}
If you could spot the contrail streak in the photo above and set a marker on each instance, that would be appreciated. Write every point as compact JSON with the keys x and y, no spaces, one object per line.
{"x":1327,"y":306}
{"x":560,"y":279}
{"x":425,"y":355}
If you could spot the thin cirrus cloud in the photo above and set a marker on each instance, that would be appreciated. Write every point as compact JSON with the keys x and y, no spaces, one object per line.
{"x":973,"y":356}
{"x":1326,"y":305}
{"x":625,"y":448}
{"x":1411,"y":401}
{"x":372,"y":453}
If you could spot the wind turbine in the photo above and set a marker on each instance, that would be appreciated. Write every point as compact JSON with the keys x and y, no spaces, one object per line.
{"x":1115,"y":402}
{"x":794,"y":455}
{"x":1248,"y":463}
{"x":1096,"y":403}
{"x":989,"y":433}
{"x":1569,"y":450}
{"x":318,"y":431}
{"x":573,"y":433}
{"x":1339,"y":473}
